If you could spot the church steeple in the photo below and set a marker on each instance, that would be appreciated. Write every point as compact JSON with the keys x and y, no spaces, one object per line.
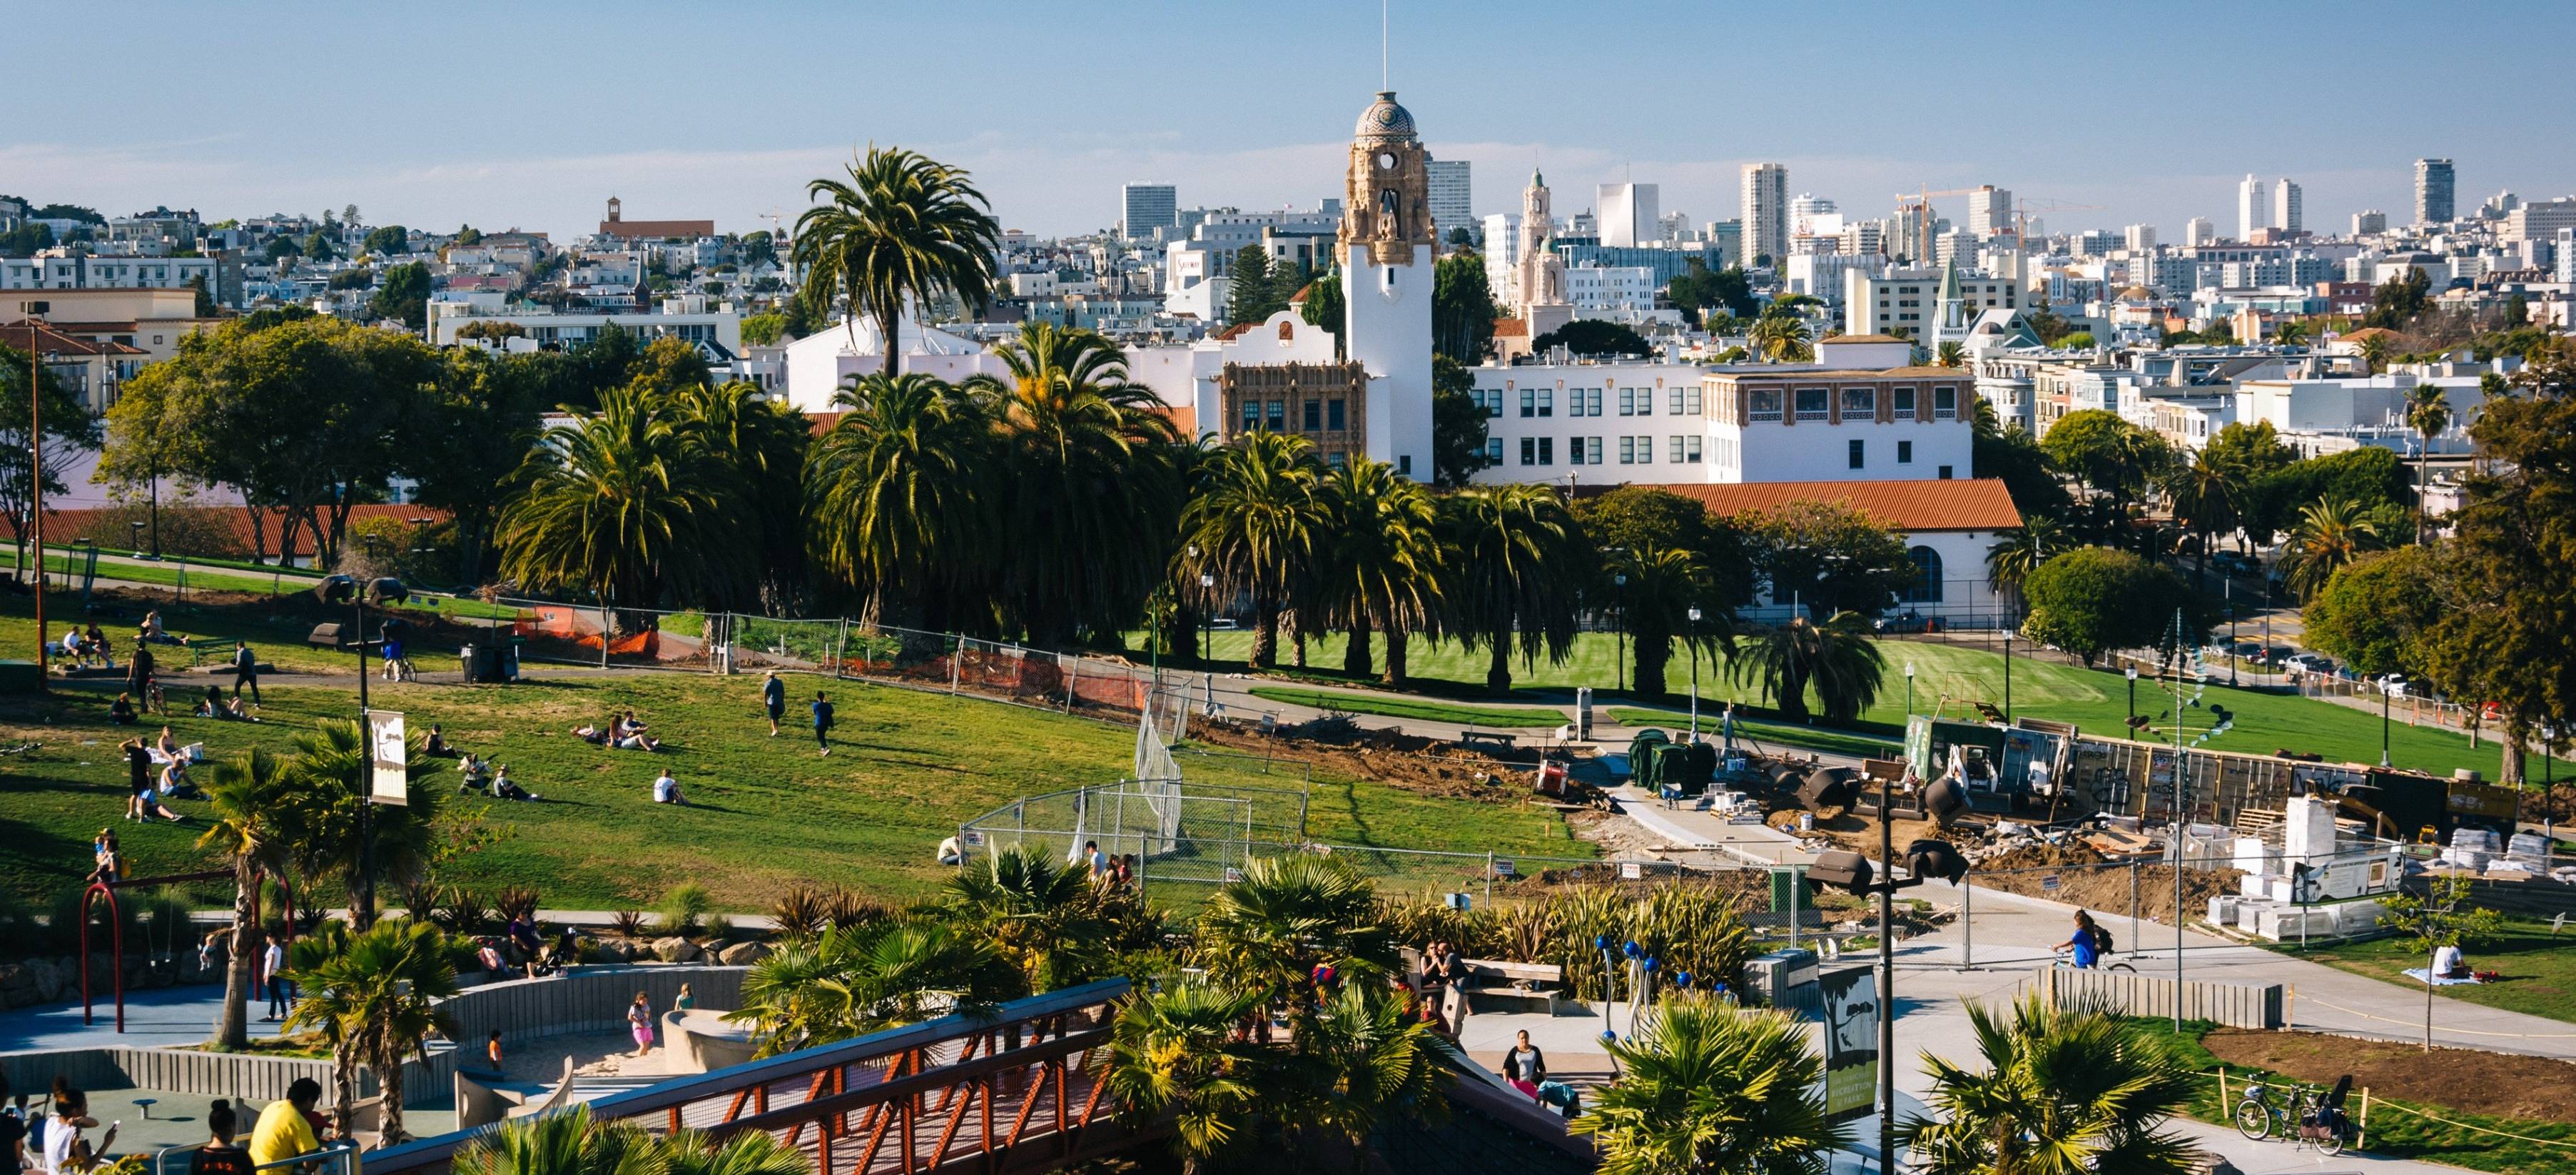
{"x":1387,"y":204}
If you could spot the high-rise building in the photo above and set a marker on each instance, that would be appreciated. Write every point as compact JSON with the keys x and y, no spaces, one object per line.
{"x":2433,"y":187}
{"x":2198,"y":231}
{"x":1452,"y":202}
{"x":1766,"y":211}
{"x":2139,"y":238}
{"x":2368,"y":222}
{"x":1990,"y":211}
{"x":1148,"y":207}
{"x":2253,"y":207}
{"x":2288,"y":212}
{"x":1628,"y":214}
{"x":1803,"y":211}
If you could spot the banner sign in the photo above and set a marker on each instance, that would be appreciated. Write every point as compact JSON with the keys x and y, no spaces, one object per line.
{"x":389,"y":780}
{"x":1850,"y":999}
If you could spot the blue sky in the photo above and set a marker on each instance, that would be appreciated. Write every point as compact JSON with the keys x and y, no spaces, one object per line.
{"x":531,"y":114}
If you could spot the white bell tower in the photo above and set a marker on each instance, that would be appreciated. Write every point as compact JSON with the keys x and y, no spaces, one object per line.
{"x":1387,"y":247}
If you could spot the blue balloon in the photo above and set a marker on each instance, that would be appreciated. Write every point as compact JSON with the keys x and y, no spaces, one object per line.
{"x":1632,"y":950}
{"x":1600,"y":942}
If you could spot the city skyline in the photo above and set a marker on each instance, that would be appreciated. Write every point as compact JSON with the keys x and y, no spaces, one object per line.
{"x":1054,"y":165}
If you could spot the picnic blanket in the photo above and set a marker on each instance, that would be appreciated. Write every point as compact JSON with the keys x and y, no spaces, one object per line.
{"x":193,"y":753}
{"x":2419,"y":973}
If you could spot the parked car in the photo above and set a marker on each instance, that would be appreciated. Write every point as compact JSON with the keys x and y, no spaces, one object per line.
{"x":1223,"y":624}
{"x":2309,"y":662}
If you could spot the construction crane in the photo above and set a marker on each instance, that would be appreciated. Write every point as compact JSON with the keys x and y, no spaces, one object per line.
{"x":2023,"y":208}
{"x":1914,"y":219}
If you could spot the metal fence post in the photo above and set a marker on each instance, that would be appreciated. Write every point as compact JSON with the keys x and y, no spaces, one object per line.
{"x":1968,"y":922}
{"x":1794,"y":886}
{"x":956,"y":663}
{"x":841,"y":650}
{"x":1489,"y":877}
{"x":1072,"y":670}
{"x":2133,"y":899}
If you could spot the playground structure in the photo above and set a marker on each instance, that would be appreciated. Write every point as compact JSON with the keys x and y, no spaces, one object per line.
{"x":106,"y":890}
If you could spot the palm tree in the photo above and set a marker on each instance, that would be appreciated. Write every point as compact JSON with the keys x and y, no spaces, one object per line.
{"x":1089,"y":477}
{"x":764,"y":441}
{"x":1836,"y":658}
{"x":846,"y":983}
{"x":1371,"y":1061}
{"x":1707,"y":1089}
{"x":2330,"y":535}
{"x":2206,"y":496}
{"x":573,"y":1142}
{"x":244,"y":795}
{"x":2020,"y":552}
{"x":2428,"y":412}
{"x":2291,"y":333}
{"x":1952,"y":354}
{"x":902,"y":228}
{"x":327,"y":818}
{"x":1173,"y":1051}
{"x":900,"y":491}
{"x":2066,"y":1091}
{"x":1042,"y":918}
{"x":1267,"y":931}
{"x":1380,"y":569}
{"x":1664,"y":584}
{"x":2376,"y":351}
{"x":375,"y":993}
{"x":1256,"y":527}
{"x":1517,"y":552}
{"x":624,"y":504}
{"x":1780,"y":337}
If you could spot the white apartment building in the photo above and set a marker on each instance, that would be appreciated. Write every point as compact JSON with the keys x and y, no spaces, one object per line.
{"x":2369,"y":222}
{"x":51,"y":270}
{"x":2539,"y":220}
{"x":1905,"y":301}
{"x":1619,"y":293}
{"x":2253,"y":207}
{"x":1766,"y":211}
{"x":1990,"y":211}
{"x":2139,"y":238}
{"x":2289,"y":206}
{"x":1452,"y":197}
{"x":716,"y":328}
{"x":1146,"y":209}
{"x":1629,"y":214}
{"x":2199,"y":231}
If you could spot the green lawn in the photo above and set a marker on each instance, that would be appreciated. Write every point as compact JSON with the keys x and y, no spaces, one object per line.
{"x":306,"y":573}
{"x":906,"y":768}
{"x":2539,"y":968}
{"x":164,"y":574}
{"x":1947,"y":678}
{"x":1392,"y":706}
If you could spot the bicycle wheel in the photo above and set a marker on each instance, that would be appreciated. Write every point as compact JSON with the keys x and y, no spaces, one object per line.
{"x":2119,"y":967}
{"x":2254,"y":1120}
{"x":2332,"y":1143}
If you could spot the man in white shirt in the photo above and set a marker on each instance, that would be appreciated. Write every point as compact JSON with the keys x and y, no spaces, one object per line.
{"x":666,"y":790}
{"x":272,"y":962}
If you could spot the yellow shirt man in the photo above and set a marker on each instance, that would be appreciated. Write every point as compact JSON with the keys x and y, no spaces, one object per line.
{"x":282,"y":1133}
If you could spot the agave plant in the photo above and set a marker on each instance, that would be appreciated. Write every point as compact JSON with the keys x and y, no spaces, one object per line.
{"x":517,"y":901}
{"x":627,"y":923}
{"x":464,"y":911}
{"x":847,"y":910}
{"x":799,"y":913}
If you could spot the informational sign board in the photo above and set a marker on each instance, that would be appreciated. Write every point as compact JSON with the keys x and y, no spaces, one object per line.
{"x":2049,"y":883}
{"x":1503,"y":867}
{"x":1631,"y":870}
{"x":1850,"y":999}
{"x":389,"y":777}
{"x":973,"y":839}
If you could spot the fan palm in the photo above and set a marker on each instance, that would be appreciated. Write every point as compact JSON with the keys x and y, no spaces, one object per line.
{"x":1516,"y":553}
{"x":1781,"y":337}
{"x":375,"y":993}
{"x":2376,"y":351}
{"x":623,"y":503}
{"x":2207,"y":497}
{"x":1173,"y":1051}
{"x":1267,"y":931}
{"x":2020,"y":552}
{"x":2329,"y":535}
{"x":1042,"y":918}
{"x":1369,"y":1060}
{"x":2066,"y":1091}
{"x":572,"y":1142}
{"x":1256,"y":527}
{"x":846,"y":983}
{"x":245,"y":795}
{"x":1708,"y":1089}
{"x":1663,"y":585}
{"x":899,"y":490}
{"x":1835,"y":658}
{"x":902,"y":228}
{"x":2428,"y":412}
{"x":1091,"y":489}
{"x":1952,"y":354}
{"x":1380,"y":566}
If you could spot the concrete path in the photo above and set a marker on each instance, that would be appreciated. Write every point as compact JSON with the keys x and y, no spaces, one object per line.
{"x":155,"y":1018}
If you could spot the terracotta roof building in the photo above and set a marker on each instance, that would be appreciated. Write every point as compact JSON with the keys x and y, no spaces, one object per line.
{"x":651,"y":230}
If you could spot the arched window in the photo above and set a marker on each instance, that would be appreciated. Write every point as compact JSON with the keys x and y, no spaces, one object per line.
{"x":1926,"y":588}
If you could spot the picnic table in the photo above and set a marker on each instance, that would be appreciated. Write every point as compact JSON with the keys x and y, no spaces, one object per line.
{"x":1496,"y":737}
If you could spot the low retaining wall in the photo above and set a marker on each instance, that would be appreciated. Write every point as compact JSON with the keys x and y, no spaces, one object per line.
{"x":2236,"y":1005}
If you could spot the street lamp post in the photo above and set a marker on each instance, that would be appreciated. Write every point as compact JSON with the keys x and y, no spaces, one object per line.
{"x":2007,"y":675}
{"x":1207,"y":624}
{"x":1694,"y":651}
{"x":1909,"y":690}
{"x":2227,"y":592}
{"x":2133,"y":700}
{"x":2384,"y":691}
{"x":36,"y":487}
{"x":1620,"y":582}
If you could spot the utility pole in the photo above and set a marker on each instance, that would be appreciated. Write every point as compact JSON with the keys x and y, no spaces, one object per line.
{"x":2181,"y":811}
{"x":36,"y":488}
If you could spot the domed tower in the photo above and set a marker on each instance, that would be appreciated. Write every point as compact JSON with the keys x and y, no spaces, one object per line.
{"x":1387,"y":247}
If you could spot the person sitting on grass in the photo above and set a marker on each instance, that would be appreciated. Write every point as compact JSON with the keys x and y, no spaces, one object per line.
{"x":666,"y":790}
{"x":121,"y":711}
{"x":167,"y":744}
{"x":94,"y":643}
{"x":212,"y":705}
{"x":504,"y":788}
{"x":146,"y":804}
{"x":175,"y":783}
{"x":236,"y":710}
{"x":435,"y":745}
{"x":597,"y":736}
{"x":475,"y":777}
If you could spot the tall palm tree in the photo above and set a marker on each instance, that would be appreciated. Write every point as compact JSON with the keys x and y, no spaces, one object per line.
{"x":573,"y":1142}
{"x":1173,"y":1052}
{"x":2329,"y":535}
{"x":2017,"y":553}
{"x":764,"y":441}
{"x":846,"y":983}
{"x":1091,"y":489}
{"x":1267,"y":931}
{"x":2428,"y":412}
{"x":1781,"y":337}
{"x":1516,"y":553}
{"x":902,"y":228}
{"x":1835,"y":658}
{"x":2066,"y":1091}
{"x":1370,"y":1061}
{"x":1256,"y":527}
{"x":1042,"y":918}
{"x":624,"y":504}
{"x":1664,"y":584}
{"x":1952,"y":354}
{"x":901,"y":492}
{"x":376,"y":994}
{"x":1380,"y":568}
{"x":2207,"y":497}
{"x":245,"y":795}
{"x":1708,"y":1089}
{"x":2376,"y":351}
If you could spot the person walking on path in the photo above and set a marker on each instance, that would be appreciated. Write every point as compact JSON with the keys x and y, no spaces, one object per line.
{"x":773,"y":697}
{"x":639,"y":1020}
{"x":822,"y":722}
{"x":272,"y":961}
{"x":246,"y":671}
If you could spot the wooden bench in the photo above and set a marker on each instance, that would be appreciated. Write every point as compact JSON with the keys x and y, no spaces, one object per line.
{"x":1496,"y":737}
{"x":199,"y":647}
{"x":1533,"y":987}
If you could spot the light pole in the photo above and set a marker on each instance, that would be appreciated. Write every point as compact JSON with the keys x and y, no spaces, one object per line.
{"x":1207,"y":624}
{"x":2180,"y":811}
{"x":2007,"y":675}
{"x":2133,"y":701}
{"x":1620,"y":625}
{"x":36,"y":487}
{"x":1909,"y":690}
{"x":2227,"y":592}
{"x":1694,"y":650}
{"x":2384,"y":691}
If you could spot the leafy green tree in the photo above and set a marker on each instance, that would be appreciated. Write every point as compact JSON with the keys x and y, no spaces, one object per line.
{"x":1836,"y":658}
{"x":572,"y":1142}
{"x":472,"y":429}
{"x":2092,"y":600}
{"x":1379,"y":567}
{"x":1706,"y":1088}
{"x":1326,"y":308}
{"x":2065,"y":1091}
{"x":1086,"y":453}
{"x":1256,"y":527}
{"x":317,"y":247}
{"x":2399,"y":301}
{"x":467,"y":235}
{"x":282,"y":247}
{"x":761,"y":330}
{"x":759,"y":248}
{"x":1594,"y":336}
{"x":2207,"y":496}
{"x":205,"y":307}
{"x":898,"y":494}
{"x":1635,"y":517}
{"x":1517,"y":552}
{"x":1253,"y":293}
{"x":387,"y":240}
{"x":2329,"y":535}
{"x":1462,"y":308}
{"x":2443,"y":916}
{"x":1827,"y":557}
{"x":850,"y":982}
{"x":1664,"y":584}
{"x":1458,"y":424}
{"x":2376,"y":351}
{"x":26,"y":240}
{"x":2255,"y":451}
{"x":2368,"y":477}
{"x":901,"y":228}
{"x":375,"y":994}
{"x":2010,"y":455}
{"x":1174,"y":1053}
{"x":1697,"y":290}
{"x":2372,"y":612}
{"x":625,"y":505}
{"x":2111,"y":456}
{"x":404,"y":294}
{"x":764,"y":442}
{"x":246,"y":798}
{"x":2428,"y":412}
{"x":2074,"y":341}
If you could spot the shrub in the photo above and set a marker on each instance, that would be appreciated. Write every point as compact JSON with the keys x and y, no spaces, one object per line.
{"x":719,"y":927}
{"x":627,"y":923}
{"x":682,"y":908}
{"x":847,"y":910}
{"x":516,"y":901}
{"x":799,"y":913}
{"x":463,"y":911}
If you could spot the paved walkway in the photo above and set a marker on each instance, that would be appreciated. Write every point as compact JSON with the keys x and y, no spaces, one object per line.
{"x":159,"y":1017}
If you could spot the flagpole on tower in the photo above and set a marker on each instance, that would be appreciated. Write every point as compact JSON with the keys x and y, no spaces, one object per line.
{"x":1381,"y":44}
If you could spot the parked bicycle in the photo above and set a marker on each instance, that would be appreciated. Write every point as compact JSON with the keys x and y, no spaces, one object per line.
{"x":2304,"y":1113}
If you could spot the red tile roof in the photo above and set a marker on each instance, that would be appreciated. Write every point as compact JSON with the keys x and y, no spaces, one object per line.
{"x":1511,"y":328}
{"x":233,"y":519}
{"x":55,"y":343}
{"x":1235,"y":331}
{"x":1911,"y":506}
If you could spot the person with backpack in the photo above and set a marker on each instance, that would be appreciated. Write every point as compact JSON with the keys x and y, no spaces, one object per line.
{"x":2089,"y":942}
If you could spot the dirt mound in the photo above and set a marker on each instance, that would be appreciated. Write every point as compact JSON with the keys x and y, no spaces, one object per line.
{"x":2509,"y":1085}
{"x":2084,"y":877}
{"x":1428,"y":766}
